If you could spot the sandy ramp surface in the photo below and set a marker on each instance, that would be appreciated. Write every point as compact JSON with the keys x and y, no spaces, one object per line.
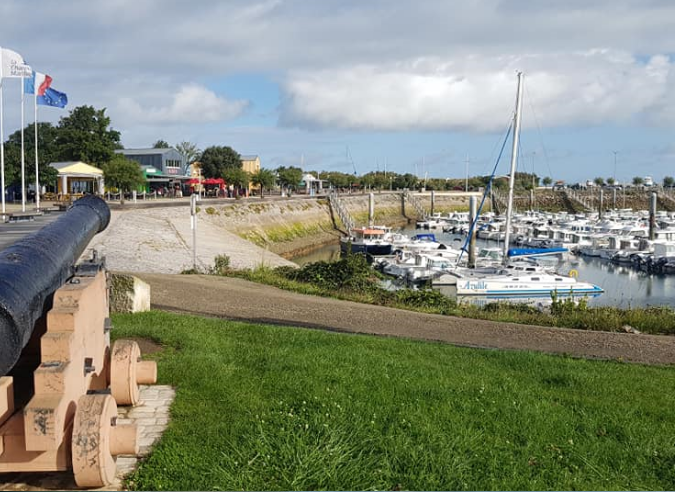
{"x":160,"y":241}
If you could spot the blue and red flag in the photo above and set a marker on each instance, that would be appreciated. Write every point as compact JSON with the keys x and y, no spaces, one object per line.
{"x":40,"y":85}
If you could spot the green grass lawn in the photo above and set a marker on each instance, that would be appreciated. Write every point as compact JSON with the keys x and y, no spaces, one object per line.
{"x":274,"y":408}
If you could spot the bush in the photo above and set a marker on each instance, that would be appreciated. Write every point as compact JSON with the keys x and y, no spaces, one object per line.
{"x":352,"y":272}
{"x":221,"y":265}
{"x":427,"y":299}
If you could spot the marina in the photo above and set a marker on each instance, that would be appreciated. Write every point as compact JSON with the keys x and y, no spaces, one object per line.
{"x":623,"y":285}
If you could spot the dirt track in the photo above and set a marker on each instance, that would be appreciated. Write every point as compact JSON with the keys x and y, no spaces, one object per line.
{"x":237,"y":299}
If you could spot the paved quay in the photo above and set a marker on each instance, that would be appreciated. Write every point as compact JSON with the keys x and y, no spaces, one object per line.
{"x":159,"y":240}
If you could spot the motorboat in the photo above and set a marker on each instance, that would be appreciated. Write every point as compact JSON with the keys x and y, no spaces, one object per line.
{"x":366,"y":240}
{"x":525,"y":285}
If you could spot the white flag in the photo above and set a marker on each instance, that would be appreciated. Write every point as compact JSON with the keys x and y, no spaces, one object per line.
{"x":13,"y":64}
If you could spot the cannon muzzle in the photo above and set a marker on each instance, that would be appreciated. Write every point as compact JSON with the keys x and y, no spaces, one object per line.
{"x":32,"y":269}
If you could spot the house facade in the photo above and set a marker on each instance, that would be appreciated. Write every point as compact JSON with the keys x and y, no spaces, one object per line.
{"x":250,"y":164}
{"x":163,"y":168}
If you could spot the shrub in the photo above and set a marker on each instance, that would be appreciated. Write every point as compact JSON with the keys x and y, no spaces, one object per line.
{"x":351,"y":272}
{"x":221,"y":265}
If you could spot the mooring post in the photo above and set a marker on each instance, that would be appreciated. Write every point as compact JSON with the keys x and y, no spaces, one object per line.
{"x":614,"y":198}
{"x":600,"y":205}
{"x":652,"y":217}
{"x":371,"y":209}
{"x":473,"y":209}
{"x":433,"y":201}
{"x":532,"y":199}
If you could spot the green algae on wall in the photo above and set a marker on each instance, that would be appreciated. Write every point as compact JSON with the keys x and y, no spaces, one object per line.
{"x":285,"y":233}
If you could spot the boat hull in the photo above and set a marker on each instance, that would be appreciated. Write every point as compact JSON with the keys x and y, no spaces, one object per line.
{"x":371,"y":249}
{"x":481,"y":287}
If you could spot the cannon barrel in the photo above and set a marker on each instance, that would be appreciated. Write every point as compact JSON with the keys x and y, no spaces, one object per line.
{"x":32,"y":269}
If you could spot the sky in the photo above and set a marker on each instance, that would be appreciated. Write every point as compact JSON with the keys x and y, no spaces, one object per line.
{"x":423,"y":86}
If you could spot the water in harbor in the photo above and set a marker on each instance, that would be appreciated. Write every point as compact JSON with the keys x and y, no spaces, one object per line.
{"x":624,"y":286}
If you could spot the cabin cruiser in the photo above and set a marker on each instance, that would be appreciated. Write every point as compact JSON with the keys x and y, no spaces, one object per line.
{"x":366,"y":240}
{"x":536,"y":284}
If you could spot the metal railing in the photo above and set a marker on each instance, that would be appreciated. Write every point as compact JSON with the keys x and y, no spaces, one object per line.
{"x":340,"y":210}
{"x":415,"y":202}
{"x":579,"y":199}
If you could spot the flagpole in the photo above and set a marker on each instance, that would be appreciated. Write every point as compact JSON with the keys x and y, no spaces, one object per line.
{"x":23,"y":160}
{"x":37,"y":176}
{"x":2,"y":139}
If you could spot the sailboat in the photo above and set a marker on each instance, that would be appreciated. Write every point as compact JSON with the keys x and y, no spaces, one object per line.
{"x":505,"y":283}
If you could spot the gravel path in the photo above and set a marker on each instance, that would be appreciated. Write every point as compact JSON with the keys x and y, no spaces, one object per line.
{"x":238,"y":299}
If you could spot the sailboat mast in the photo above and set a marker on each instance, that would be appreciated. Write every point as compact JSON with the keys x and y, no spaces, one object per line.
{"x":514,"y":161}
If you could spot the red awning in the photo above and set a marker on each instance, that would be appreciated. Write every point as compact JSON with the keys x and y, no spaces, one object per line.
{"x":213,"y":181}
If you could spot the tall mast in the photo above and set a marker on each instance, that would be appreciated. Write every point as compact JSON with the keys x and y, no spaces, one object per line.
{"x":514,"y":161}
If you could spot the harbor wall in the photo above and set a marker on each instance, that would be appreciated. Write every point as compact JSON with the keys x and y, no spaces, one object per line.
{"x":296,"y":225}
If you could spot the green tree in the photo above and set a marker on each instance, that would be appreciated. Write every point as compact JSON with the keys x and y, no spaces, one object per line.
{"x":637,"y":181}
{"x":216,"y":159}
{"x":339,"y":180}
{"x":599,"y":181}
{"x":189,"y":151}
{"x":47,"y":134}
{"x":668,"y":182}
{"x":85,"y":135}
{"x":547,"y":181}
{"x":264,"y":178}
{"x":236,"y":176}
{"x":124,"y":174}
{"x":161,"y":144}
{"x":289,"y":177}
{"x":407,"y":180}
{"x":611,"y":181}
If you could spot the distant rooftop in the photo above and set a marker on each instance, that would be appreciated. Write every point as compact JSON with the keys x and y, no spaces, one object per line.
{"x":144,"y":151}
{"x":248,"y":157}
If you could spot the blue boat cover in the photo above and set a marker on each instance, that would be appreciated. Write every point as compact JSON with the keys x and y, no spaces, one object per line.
{"x":534,"y":251}
{"x":425,"y":237}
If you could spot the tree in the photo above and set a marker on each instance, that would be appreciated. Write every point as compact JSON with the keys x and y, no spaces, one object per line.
{"x":236,"y":176}
{"x":216,"y":159}
{"x":161,"y":144}
{"x":84,"y":135}
{"x":264,"y":178}
{"x":189,"y":151}
{"x":547,"y":181}
{"x":47,"y":134}
{"x":599,"y":181}
{"x":611,"y":181}
{"x":289,"y":177}
{"x":337,"y":179}
{"x":668,"y":182}
{"x":407,"y":180}
{"x":637,"y":181}
{"x":123,"y":174}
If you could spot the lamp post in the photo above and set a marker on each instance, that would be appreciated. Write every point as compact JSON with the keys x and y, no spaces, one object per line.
{"x":466,"y":179}
{"x":615,"y":152}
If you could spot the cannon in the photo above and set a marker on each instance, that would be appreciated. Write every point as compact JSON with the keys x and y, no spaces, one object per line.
{"x":60,"y":380}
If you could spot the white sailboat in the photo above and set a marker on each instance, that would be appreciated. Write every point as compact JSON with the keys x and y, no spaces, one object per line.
{"x":514,"y":283}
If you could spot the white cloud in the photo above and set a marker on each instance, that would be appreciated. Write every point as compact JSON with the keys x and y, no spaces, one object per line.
{"x":192,"y":103}
{"x":477,"y":93}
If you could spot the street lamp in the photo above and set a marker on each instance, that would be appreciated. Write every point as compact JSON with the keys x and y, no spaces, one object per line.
{"x":466,"y":180}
